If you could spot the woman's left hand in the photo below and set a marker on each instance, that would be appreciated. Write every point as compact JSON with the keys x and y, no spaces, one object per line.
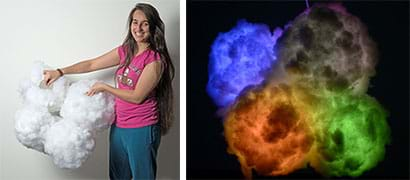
{"x":96,"y":88}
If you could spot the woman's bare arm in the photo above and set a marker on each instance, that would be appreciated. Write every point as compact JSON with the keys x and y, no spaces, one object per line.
{"x":107,"y":60}
{"x":146,"y":83}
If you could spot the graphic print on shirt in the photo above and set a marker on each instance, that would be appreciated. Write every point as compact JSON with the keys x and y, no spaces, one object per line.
{"x":125,"y":79}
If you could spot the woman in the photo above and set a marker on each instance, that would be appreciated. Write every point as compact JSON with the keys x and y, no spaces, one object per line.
{"x":143,"y":102}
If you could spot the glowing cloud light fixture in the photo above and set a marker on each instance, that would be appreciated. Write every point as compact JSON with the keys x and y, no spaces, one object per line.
{"x":318,"y":113}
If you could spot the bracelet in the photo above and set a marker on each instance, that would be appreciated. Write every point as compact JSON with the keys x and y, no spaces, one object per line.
{"x":60,"y":71}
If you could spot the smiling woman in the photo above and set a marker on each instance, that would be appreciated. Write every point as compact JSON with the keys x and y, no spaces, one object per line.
{"x":143,"y":93}
{"x":139,"y":26}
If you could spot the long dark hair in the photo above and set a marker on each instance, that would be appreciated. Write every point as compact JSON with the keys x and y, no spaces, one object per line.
{"x":156,"y":41}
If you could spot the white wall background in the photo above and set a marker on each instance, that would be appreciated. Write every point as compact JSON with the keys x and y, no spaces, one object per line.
{"x":62,"y":33}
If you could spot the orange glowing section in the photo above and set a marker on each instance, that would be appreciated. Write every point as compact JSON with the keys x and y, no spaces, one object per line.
{"x":267,"y":130}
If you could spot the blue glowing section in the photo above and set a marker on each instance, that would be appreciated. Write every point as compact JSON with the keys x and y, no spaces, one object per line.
{"x":240,"y":58}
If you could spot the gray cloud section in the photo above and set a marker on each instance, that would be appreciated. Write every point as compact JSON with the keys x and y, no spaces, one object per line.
{"x":328,"y":48}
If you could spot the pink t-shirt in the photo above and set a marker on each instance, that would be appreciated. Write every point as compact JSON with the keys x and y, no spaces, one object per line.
{"x":131,"y":115}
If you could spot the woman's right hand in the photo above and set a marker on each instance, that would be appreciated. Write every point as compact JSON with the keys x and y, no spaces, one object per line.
{"x":50,"y":76}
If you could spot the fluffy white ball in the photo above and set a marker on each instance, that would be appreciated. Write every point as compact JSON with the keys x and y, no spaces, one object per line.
{"x":61,"y":120}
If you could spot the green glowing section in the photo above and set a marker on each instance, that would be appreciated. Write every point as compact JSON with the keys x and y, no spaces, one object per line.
{"x":350,"y":131}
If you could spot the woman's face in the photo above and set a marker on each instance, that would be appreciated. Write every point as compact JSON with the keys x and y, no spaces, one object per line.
{"x":139,"y":27}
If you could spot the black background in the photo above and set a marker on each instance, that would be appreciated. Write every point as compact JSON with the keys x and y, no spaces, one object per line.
{"x":388,"y":25}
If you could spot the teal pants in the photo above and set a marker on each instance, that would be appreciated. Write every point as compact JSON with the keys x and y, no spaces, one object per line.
{"x":133,"y":152}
